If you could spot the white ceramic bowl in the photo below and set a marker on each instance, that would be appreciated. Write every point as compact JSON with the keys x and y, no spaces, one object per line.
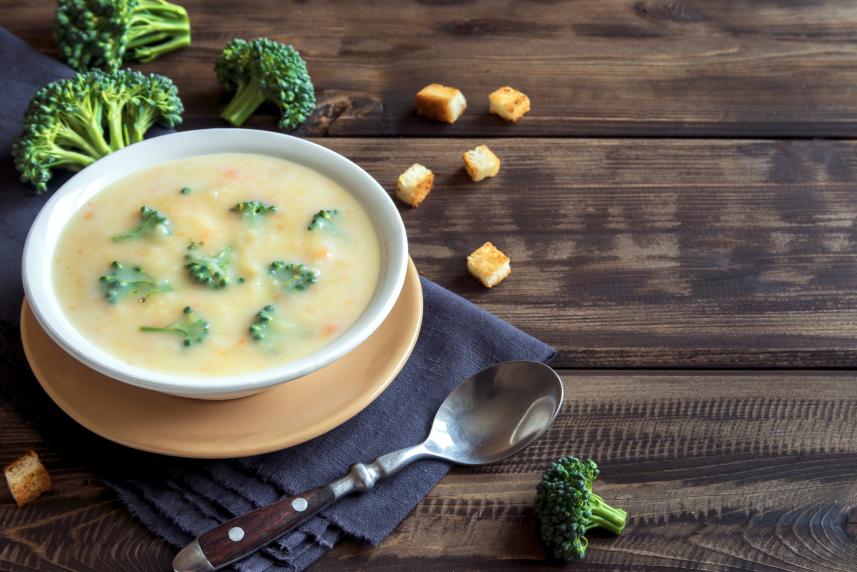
{"x":46,"y":230}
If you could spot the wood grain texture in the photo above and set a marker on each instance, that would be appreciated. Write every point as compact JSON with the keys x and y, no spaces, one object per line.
{"x":735,"y":471}
{"x":591,"y":67}
{"x":642,"y":253}
{"x":648,"y":253}
{"x":78,"y":526}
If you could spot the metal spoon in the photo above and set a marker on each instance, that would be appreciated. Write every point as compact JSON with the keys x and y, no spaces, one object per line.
{"x":489,"y":417}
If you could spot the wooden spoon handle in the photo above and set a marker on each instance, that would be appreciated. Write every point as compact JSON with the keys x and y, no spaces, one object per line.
{"x":245,"y":534}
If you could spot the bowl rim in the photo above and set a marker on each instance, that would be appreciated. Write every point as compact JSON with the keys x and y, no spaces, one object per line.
{"x":39,"y":250}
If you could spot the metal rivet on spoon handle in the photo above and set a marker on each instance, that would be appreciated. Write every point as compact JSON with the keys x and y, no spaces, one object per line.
{"x":490,"y":416}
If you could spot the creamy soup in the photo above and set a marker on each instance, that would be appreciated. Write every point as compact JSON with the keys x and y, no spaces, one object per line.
{"x":270,"y":288}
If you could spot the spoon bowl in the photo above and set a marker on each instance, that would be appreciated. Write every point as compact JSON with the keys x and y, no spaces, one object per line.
{"x":496,"y":413}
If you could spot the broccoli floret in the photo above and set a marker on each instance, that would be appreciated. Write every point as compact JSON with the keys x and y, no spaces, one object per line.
{"x":253,"y":210}
{"x":567,"y":508}
{"x":150,"y":221}
{"x":322,"y":220}
{"x":185,"y":191}
{"x":213,"y":271}
{"x":261,"y":325}
{"x":106,"y":33}
{"x":124,"y":280}
{"x":293,"y":276}
{"x":264,"y":70}
{"x":64,"y":125}
{"x":270,"y":331}
{"x":191,"y":326}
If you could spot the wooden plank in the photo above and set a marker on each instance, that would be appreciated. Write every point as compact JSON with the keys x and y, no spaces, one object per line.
{"x":591,"y":67}
{"x":718,"y":471}
{"x":649,"y":253}
{"x":80,"y":525}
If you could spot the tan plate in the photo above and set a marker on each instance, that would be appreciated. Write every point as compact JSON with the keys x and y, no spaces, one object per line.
{"x":275,"y":419}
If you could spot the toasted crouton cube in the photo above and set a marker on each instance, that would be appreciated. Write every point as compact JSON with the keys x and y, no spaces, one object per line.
{"x":481,"y":162}
{"x":509,"y":103}
{"x":414,"y":185}
{"x":27,"y":478}
{"x":489,"y":265}
{"x":441,"y":103}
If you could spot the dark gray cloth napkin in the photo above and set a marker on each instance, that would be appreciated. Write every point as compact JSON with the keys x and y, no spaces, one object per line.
{"x":179,"y":499}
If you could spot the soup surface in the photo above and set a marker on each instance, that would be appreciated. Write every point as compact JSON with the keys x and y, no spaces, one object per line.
{"x":224,"y":263}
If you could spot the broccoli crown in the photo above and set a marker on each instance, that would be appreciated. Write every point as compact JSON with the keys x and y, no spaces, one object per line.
{"x":191,"y":326}
{"x":293,"y":276}
{"x":264,"y":70}
{"x":261,"y":325}
{"x":253,"y":209}
{"x":567,"y":508}
{"x":71,"y":123}
{"x":151,"y":221}
{"x":124,"y":280}
{"x":213,"y":271}
{"x":104,"y":33}
{"x":322,"y":219}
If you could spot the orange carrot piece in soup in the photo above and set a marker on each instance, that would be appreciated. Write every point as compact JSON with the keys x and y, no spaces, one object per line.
{"x":330,"y":329}
{"x":321,"y":252}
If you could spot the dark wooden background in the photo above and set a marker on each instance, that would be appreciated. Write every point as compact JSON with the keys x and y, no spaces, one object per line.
{"x":680,"y":210}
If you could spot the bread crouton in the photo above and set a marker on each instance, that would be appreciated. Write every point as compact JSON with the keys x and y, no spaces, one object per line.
{"x":441,"y":103}
{"x":414,"y":185}
{"x":481,"y":162}
{"x":509,"y":103}
{"x":27,"y":478}
{"x":489,"y":265}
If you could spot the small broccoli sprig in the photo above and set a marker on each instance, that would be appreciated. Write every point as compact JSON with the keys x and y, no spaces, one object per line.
{"x":71,"y":123}
{"x":293,"y":276}
{"x":191,"y":326}
{"x":260,"y":328}
{"x":213,"y":271}
{"x":253,"y":210}
{"x":264,"y":70}
{"x":124,"y":280}
{"x":106,"y":33}
{"x":322,"y":220}
{"x":151,"y":221}
{"x":270,"y":331}
{"x":567,"y":508}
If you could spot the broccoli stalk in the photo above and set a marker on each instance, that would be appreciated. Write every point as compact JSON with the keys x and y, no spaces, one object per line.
{"x":64,"y":123}
{"x":212,"y":271}
{"x":150,"y":221}
{"x":106,"y":33}
{"x":567,"y":508}
{"x":264,"y":70}
{"x":157,"y":27}
{"x":191,"y":326}
{"x":248,"y":98}
{"x":124,"y":280}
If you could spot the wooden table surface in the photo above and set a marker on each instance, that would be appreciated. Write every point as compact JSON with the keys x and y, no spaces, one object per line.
{"x":680,"y":210}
